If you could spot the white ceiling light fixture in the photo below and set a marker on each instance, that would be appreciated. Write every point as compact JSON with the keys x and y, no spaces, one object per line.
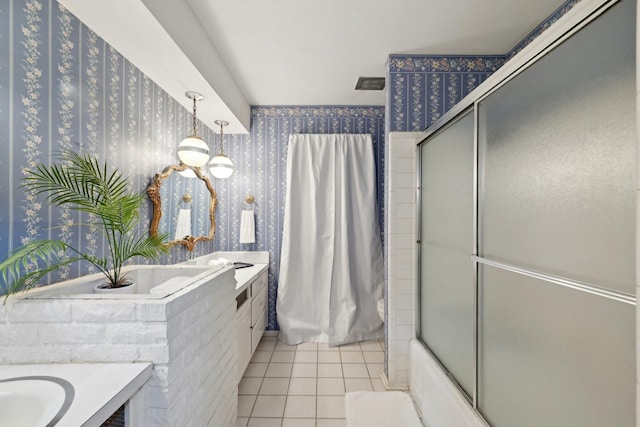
{"x":221,"y":166}
{"x":193,"y":151}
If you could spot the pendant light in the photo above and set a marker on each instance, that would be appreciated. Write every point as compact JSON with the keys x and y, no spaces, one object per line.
{"x":193,"y":151}
{"x":221,"y":166}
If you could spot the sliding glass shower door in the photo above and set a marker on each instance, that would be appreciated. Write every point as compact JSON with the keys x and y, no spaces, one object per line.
{"x":527,"y":236}
{"x":447,"y":291}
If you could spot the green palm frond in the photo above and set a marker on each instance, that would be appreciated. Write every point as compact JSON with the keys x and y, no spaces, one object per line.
{"x":121,"y":214}
{"x":78,"y":180}
{"x":23,"y":270}
{"x":148,"y":247}
{"x":84,"y":184}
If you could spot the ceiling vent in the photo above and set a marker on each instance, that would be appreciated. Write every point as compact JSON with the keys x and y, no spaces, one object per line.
{"x":370,"y":83}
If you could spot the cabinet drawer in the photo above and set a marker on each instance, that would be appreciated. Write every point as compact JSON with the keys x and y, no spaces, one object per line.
{"x":258,"y":306}
{"x":259,"y":284}
{"x":258,"y":330}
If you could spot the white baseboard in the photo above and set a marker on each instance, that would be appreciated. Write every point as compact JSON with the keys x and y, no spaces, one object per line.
{"x":388,"y":386}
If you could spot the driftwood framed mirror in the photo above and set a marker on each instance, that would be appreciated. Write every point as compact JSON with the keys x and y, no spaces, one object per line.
{"x":184,"y":206}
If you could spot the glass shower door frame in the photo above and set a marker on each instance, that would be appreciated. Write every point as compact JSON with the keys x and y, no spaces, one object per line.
{"x":472,"y":102}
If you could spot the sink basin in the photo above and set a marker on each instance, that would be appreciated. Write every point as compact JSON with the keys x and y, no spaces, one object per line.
{"x":34,"y":401}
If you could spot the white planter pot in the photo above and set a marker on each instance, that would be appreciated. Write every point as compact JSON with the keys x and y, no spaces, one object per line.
{"x":129,"y":289}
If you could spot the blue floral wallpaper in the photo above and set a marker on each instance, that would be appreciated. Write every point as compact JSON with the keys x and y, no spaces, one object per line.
{"x":421,"y":88}
{"x":61,"y":86}
{"x":564,"y":8}
{"x":260,"y":161}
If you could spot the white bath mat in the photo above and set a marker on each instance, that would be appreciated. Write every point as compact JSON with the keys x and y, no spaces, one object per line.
{"x":380,"y":409}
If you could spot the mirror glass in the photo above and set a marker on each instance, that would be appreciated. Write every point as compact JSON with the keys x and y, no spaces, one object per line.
{"x":184,"y":204}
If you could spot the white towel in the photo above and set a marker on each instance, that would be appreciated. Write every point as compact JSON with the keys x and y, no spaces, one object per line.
{"x":183,"y":225}
{"x":220,"y":262}
{"x":247,"y":227}
{"x":380,"y":409}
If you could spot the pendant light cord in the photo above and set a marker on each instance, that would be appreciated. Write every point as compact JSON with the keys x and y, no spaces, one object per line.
{"x":221,"y":139}
{"x":195,"y":127}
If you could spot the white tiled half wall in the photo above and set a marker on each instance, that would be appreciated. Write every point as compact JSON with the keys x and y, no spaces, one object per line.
{"x":189,"y":338}
{"x":400,"y":253}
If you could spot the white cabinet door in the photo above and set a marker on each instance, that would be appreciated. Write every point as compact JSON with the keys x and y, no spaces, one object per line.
{"x":243,"y":325}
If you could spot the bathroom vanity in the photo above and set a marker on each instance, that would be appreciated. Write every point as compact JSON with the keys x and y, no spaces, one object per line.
{"x":251,"y":312}
{"x":251,"y":299}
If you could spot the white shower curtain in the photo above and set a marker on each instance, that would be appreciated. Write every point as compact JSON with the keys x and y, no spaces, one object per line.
{"x":331,"y":267}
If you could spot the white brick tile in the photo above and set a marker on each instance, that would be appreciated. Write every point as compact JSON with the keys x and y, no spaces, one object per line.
{"x":199,"y":327}
{"x":107,"y":311}
{"x":72,"y":333}
{"x":46,"y":311}
{"x":35,"y":354}
{"x":151,"y":312}
{"x":19,"y":334}
{"x":136,"y":332}
{"x":105,"y":353}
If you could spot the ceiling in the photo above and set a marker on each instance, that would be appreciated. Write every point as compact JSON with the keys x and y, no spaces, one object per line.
{"x":296,"y":52}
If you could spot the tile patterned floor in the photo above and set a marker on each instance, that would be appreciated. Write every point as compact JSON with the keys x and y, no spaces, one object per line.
{"x":304,"y":385}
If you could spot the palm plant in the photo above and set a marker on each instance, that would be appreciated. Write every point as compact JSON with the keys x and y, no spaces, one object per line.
{"x":82,"y":183}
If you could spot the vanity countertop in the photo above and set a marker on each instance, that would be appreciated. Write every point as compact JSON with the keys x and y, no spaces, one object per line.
{"x":99,"y":388}
{"x":244,"y":276}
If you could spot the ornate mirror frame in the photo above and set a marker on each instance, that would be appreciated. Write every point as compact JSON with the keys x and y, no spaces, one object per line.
{"x":154,"y":194}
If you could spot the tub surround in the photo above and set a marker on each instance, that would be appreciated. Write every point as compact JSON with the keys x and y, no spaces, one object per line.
{"x":99,"y":388}
{"x":437,"y":398}
{"x":400,"y":255}
{"x":152,"y":282}
{"x":250,"y":300}
{"x":185,"y":334}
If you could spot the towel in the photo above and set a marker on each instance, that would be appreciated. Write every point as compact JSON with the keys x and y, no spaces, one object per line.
{"x":183,"y":225}
{"x":220,"y":262}
{"x":380,"y":409}
{"x":247,"y":227}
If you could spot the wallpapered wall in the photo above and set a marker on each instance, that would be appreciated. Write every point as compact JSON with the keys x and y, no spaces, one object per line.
{"x":61,"y":86}
{"x":260,"y":160}
{"x":421,"y":88}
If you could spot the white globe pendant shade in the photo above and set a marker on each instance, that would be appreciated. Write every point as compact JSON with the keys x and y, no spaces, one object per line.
{"x":221,"y":166}
{"x":193,"y":151}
